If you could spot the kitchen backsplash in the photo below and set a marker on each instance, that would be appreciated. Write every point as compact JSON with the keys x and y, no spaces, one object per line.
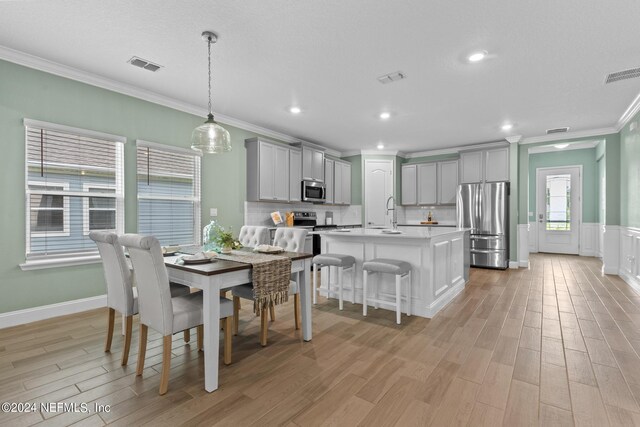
{"x":258,"y":213}
{"x":414,"y":214}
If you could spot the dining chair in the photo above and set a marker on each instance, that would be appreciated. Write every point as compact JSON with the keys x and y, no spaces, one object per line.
{"x":251,"y":236}
{"x":122,"y":296}
{"x":162,"y":313}
{"x":291,"y":240}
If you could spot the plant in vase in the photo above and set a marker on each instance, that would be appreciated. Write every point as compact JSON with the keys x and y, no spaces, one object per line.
{"x":221,"y":238}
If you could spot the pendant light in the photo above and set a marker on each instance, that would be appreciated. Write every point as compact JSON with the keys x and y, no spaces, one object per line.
{"x":210,"y":137}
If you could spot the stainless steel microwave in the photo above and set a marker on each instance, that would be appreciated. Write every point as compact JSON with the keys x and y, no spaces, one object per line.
{"x":313,"y":191}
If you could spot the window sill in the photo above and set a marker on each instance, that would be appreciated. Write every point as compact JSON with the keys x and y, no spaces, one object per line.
{"x":39,"y":264}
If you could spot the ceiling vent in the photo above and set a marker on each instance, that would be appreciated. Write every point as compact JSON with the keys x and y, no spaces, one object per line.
{"x":557,"y":130}
{"x":631,"y":73}
{"x":392,"y":77}
{"x":143,"y":63}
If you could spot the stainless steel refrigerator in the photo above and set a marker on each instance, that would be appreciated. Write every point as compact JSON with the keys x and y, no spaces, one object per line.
{"x":484,"y":208}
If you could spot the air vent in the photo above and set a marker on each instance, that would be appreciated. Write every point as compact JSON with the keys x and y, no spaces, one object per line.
{"x":392,"y":77}
{"x":143,"y":63}
{"x":631,"y":73}
{"x":557,"y":130}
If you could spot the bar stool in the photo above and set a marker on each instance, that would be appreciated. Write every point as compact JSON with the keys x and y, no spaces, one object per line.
{"x":388,"y":266}
{"x":340,"y":261}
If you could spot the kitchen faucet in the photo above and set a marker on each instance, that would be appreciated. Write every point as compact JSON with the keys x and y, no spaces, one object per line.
{"x":394,"y":220}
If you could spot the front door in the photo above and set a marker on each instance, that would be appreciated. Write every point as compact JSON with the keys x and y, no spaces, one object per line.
{"x":559,"y":207}
{"x":378,"y":187}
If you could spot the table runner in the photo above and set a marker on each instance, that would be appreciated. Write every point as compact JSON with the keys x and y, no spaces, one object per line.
{"x":271,"y":275}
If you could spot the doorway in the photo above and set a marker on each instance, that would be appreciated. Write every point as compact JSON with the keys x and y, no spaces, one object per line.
{"x":378,"y":187}
{"x":559,"y":209}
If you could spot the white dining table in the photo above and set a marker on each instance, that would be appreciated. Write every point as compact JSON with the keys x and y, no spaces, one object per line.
{"x":221,"y":275}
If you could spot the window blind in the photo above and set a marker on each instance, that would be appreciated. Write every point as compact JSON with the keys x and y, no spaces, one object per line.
{"x":168,"y":180}
{"x":74,"y":184}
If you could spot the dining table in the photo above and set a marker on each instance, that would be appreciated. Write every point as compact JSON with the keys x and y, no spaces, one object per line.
{"x":221,"y":275}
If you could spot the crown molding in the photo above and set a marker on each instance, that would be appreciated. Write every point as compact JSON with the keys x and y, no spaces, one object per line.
{"x":350,"y":153}
{"x":569,"y":135}
{"x":41,"y":64}
{"x":629,"y":113}
{"x":572,"y":146}
{"x":456,"y":150}
{"x":383,"y":153}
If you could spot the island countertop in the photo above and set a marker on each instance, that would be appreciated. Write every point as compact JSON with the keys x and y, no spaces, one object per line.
{"x":416,"y":232}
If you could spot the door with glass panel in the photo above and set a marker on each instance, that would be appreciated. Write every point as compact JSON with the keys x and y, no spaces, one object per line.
{"x":559,"y":209}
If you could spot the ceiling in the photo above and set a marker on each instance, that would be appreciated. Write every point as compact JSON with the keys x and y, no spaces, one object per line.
{"x":546,"y":65}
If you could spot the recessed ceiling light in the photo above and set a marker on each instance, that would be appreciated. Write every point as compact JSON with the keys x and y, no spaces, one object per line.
{"x":385,"y":115}
{"x":295,"y":110}
{"x":507,"y":126}
{"x":380,"y":146}
{"x":561,"y":146}
{"x":477,"y":56}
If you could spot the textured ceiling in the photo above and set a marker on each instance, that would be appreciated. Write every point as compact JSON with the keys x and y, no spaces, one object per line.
{"x":546,"y":67}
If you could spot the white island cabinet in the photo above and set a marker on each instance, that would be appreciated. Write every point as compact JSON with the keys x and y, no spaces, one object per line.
{"x":439,"y":271}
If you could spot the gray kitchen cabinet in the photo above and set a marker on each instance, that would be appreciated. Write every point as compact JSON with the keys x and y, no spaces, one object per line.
{"x":491,"y":165}
{"x":312,"y":164}
{"x":295,"y":175}
{"x":268,"y":170}
{"x":409,"y":183}
{"x":427,"y":189}
{"x":497,"y":165}
{"x":447,"y":182}
{"x":329,"y":179}
{"x":342,"y":183}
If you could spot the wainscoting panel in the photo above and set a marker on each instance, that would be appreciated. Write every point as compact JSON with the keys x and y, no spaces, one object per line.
{"x":589,"y":239}
{"x":629,"y":268}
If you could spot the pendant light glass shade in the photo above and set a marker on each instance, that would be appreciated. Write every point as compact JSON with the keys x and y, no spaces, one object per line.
{"x":210,"y":137}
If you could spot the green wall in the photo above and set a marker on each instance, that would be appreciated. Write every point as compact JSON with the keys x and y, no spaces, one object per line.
{"x":28,"y":93}
{"x":629,"y":175}
{"x":585,"y":158}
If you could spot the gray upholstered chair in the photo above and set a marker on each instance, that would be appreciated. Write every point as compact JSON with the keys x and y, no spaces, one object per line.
{"x":161,"y":312}
{"x":122,"y":296}
{"x":253,"y":235}
{"x":291,"y":240}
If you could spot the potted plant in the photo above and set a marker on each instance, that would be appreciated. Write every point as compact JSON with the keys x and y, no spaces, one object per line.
{"x":224,"y":239}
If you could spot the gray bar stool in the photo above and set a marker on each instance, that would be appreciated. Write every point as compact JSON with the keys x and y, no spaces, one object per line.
{"x":388,"y":266}
{"x":342,"y":262}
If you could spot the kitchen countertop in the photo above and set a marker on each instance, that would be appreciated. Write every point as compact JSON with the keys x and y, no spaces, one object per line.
{"x":408,"y":233}
{"x":426,"y":225}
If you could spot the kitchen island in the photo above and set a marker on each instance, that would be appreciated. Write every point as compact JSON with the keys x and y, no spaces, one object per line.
{"x":438,"y":257}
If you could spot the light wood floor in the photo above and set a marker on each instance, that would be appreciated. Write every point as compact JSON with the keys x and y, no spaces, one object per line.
{"x":554,"y":345}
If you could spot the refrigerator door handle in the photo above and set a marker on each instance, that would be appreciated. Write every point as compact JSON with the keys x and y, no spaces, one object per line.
{"x":486,"y":251}
{"x":486,"y":237}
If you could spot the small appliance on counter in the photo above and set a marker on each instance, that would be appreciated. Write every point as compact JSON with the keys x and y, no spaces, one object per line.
{"x":328,"y":218}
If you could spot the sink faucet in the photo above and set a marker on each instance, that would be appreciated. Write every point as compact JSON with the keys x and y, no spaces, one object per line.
{"x":394,"y":221}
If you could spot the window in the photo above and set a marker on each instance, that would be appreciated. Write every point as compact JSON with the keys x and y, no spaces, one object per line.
{"x":74,"y":185}
{"x":168,"y":180}
{"x":559,"y":202}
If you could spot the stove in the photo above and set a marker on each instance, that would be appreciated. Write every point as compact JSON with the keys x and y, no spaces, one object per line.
{"x":309,"y":219}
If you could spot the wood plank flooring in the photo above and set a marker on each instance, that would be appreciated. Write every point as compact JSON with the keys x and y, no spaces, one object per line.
{"x":556,"y":344}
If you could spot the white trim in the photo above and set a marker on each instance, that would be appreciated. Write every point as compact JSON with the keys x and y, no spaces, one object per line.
{"x":30,"y":123}
{"x":629,"y":113}
{"x":582,"y":145}
{"x":523,"y":245}
{"x":569,"y":135}
{"x":54,"y":262}
{"x":514,"y":265}
{"x":456,"y":150}
{"x":611,"y":249}
{"x":350,"y":153}
{"x":382,"y":153}
{"x":169,"y":148}
{"x":533,"y":237}
{"x":28,"y":315}
{"x":589,"y":239}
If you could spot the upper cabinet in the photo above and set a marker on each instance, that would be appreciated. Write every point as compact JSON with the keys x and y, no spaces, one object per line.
{"x":432,"y":183}
{"x":312,"y":164}
{"x":295,"y":175}
{"x":341,"y":183}
{"x":484,"y":166}
{"x":269,"y":173}
{"x":329,"y":180}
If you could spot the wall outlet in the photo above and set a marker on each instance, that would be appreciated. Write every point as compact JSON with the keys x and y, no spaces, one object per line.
{"x":213,"y":212}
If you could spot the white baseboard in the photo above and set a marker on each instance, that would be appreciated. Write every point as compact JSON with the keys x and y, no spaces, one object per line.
{"x":28,"y":315}
{"x":524,"y":263}
{"x":514,"y":264}
{"x":630,"y":280}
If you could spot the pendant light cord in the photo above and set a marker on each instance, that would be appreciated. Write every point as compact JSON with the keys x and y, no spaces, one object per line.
{"x":209,"y":48}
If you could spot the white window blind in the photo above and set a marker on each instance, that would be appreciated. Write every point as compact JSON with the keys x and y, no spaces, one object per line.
{"x":168,"y":193}
{"x":74,"y":184}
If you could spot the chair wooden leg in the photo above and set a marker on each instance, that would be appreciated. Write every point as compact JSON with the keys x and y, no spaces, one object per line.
{"x":236,"y":314}
{"x":264,"y":325}
{"x":187,"y":335}
{"x":272,"y":312}
{"x":200,"y":333}
{"x":227,"y":341}
{"x":223,"y":294}
{"x":166,"y":364}
{"x":296,"y":310}
{"x":127,"y":340}
{"x":142,"y":349}
{"x":110,"y":321}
